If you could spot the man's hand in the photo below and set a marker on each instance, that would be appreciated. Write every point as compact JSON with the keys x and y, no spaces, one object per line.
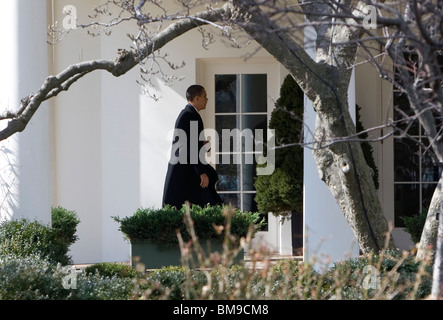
{"x":204,"y":180}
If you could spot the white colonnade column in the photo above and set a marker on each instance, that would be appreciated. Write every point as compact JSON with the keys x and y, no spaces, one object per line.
{"x":25,"y":181}
{"x":327,"y":235}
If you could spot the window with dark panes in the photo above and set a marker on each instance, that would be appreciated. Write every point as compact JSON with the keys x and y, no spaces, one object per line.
{"x":415,"y":174}
{"x":240,"y":110}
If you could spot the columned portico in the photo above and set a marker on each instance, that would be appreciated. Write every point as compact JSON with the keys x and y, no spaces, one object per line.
{"x":109,"y":142}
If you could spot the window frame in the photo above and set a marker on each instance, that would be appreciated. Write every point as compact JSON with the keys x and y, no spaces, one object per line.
{"x":206,"y":70}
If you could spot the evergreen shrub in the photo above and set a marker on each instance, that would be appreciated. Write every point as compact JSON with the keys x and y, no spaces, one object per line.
{"x":161,"y":225}
{"x":366,"y":147}
{"x":23,"y":237}
{"x":414,"y":225}
{"x":110,"y":269}
{"x":64,"y":226}
{"x":282,"y":191}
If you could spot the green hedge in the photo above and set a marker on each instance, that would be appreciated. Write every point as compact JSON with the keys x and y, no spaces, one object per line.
{"x":161,"y":225}
{"x":34,"y":258}
{"x":36,"y":278}
{"x":109,"y":269}
{"x":23,"y":237}
{"x":64,"y":225}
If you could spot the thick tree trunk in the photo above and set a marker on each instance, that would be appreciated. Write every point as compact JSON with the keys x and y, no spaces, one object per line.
{"x":325,"y":82}
{"x":437,"y":279}
{"x":344,"y":170}
{"x":428,"y":240}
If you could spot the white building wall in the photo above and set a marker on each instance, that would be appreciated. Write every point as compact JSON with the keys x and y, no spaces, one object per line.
{"x":327,"y":237}
{"x":376,"y":102}
{"x":25,"y":157}
{"x":120,"y":148}
{"x":77,"y":137}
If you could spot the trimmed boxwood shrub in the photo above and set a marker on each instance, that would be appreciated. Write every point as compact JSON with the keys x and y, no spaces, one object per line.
{"x":64,"y":226}
{"x":23,"y":237}
{"x":161,"y":225}
{"x":110,"y":269}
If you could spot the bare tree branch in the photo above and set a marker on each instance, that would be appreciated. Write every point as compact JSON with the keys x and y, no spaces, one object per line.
{"x":125,"y":61}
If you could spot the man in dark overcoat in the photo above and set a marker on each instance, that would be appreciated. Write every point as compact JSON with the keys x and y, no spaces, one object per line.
{"x":189,"y":176}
